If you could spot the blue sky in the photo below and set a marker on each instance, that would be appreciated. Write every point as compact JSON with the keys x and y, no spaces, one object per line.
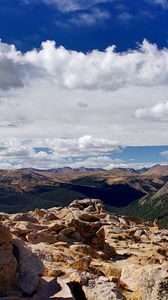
{"x":123,"y":23}
{"x":135,"y":157}
{"x":146,"y":154}
{"x":81,"y":80}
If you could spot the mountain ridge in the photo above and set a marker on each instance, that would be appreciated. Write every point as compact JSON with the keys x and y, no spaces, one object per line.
{"x":28,"y":188}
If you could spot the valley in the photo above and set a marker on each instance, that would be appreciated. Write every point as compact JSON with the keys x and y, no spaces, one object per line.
{"x":127,"y":191}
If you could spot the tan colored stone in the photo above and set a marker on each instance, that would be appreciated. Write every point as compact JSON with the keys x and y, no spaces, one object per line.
{"x":42,"y":236}
{"x":81,"y":264}
{"x":40,"y":212}
{"x":3,"y":216}
{"x":60,"y":256}
{"x":88,"y":218}
{"x":98,"y":241}
{"x":50,"y":216}
{"x":28,"y":217}
{"x":79,"y":277}
{"x":61,"y":245}
{"x":87,"y":230}
{"x":56,"y":226}
{"x":5,"y":235}
{"x":8,"y":263}
{"x":112,"y":271}
{"x":146,"y":281}
{"x":8,"y":268}
{"x":81,"y":243}
{"x":83,"y":249}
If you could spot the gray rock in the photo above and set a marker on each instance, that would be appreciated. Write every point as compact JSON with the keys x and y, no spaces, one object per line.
{"x":27,"y":259}
{"x":102,"y":288}
{"x":28,"y":281}
{"x":30,"y":266}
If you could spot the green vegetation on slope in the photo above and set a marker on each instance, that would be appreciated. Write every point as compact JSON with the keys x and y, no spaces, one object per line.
{"x":46,"y":197}
{"x":149,"y":208}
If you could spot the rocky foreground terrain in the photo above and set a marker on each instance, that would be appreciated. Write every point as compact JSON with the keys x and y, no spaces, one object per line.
{"x":82,"y":252}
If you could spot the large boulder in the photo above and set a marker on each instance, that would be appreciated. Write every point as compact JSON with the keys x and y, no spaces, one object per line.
{"x":5,"y":235}
{"x":28,"y":282}
{"x":8,"y":263}
{"x":95,"y":205}
{"x":27,"y":259}
{"x":146,"y":281}
{"x":8,"y":267}
{"x":87,"y":230}
{"x":30,"y":266}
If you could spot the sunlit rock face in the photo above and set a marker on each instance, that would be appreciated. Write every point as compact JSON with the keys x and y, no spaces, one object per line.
{"x":82,"y":252}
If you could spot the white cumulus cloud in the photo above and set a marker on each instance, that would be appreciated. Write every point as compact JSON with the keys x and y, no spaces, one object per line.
{"x":158,"y":112}
{"x":77,"y":104}
{"x":51,"y":153}
{"x":102,"y":70}
{"x":11,"y":72}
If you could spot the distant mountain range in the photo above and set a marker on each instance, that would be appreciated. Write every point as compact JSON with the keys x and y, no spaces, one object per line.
{"x":138,"y":192}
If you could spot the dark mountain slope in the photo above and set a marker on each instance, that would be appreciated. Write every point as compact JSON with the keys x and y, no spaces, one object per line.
{"x":152,"y":206}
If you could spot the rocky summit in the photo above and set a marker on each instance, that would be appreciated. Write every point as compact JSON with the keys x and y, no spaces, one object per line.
{"x":82,"y":252}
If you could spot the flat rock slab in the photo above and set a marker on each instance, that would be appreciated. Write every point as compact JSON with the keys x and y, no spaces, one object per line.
{"x":54,"y":288}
